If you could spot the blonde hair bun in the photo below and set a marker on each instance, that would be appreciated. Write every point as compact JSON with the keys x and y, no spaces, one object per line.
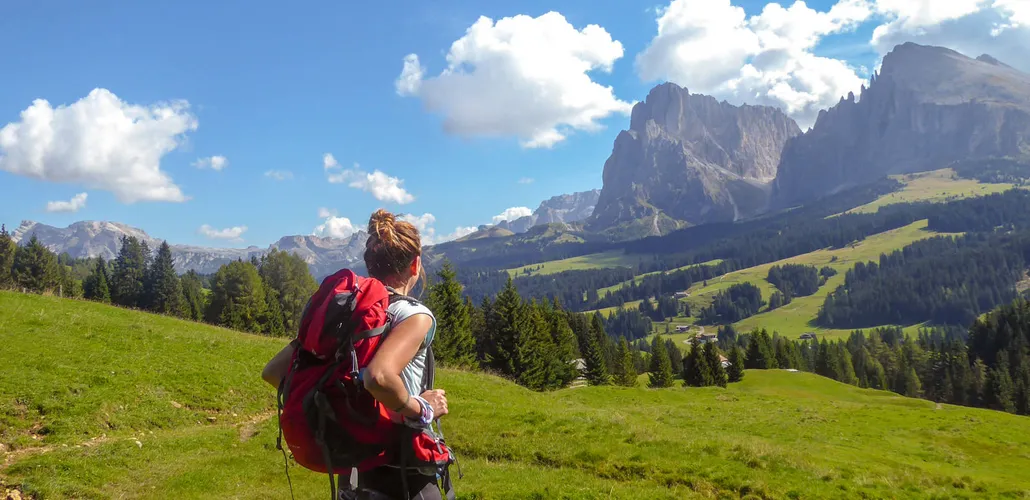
{"x":381,"y":224}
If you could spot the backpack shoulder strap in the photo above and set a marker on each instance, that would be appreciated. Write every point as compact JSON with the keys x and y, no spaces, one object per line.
{"x":429,"y":373}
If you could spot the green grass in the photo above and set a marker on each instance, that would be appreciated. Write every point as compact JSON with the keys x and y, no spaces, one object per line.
{"x":591,"y":261}
{"x":937,"y":186}
{"x":775,"y":435}
{"x":797,"y":317}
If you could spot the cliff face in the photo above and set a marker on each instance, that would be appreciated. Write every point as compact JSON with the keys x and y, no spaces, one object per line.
{"x":688,"y":158}
{"x":928,"y":107}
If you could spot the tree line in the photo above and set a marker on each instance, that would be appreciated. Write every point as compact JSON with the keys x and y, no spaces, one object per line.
{"x":265,"y":295}
{"x":733,"y":304}
{"x":944,"y":280}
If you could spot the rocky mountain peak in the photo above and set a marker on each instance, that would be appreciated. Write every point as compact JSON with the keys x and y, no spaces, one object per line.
{"x":692,"y":158}
{"x":926,"y":108}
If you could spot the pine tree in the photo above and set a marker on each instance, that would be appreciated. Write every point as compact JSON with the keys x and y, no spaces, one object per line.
{"x":845,"y":370}
{"x":661,"y":368}
{"x":289,"y":276}
{"x":998,"y":387}
{"x":163,"y":290}
{"x":735,"y":372}
{"x":483,"y":321}
{"x":565,"y":349}
{"x":977,"y":384}
{"x":534,"y":351}
{"x":454,"y":345}
{"x":193,"y":295}
{"x":675,"y":356}
{"x":717,"y":374}
{"x":130,"y":269}
{"x":35,"y":267}
{"x":237,"y":298}
{"x":697,"y":371}
{"x":593,"y":357}
{"x":7,"y":251}
{"x":272,"y":319}
{"x":96,"y":287}
{"x":760,"y":354}
{"x":508,"y":322}
{"x":626,"y":375}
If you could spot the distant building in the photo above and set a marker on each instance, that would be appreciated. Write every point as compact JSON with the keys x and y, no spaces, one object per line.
{"x":682,"y":295}
{"x":682,"y":328}
{"x":808,"y":336}
{"x":723,"y":361}
{"x":704,"y":338}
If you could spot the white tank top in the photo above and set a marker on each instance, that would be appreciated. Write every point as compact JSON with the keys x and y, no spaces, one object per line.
{"x":413,"y":372}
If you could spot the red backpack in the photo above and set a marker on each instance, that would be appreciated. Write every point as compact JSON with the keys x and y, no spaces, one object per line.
{"x":330,"y":422}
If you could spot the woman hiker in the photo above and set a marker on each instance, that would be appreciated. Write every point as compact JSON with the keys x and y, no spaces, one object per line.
{"x":393,"y":255}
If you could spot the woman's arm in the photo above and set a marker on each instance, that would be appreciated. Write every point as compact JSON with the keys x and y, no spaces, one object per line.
{"x":277,"y":367}
{"x":383,"y":374}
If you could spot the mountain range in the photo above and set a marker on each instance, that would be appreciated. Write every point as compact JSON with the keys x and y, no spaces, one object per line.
{"x":689,"y":159}
{"x":561,"y":209}
{"x":90,"y":239}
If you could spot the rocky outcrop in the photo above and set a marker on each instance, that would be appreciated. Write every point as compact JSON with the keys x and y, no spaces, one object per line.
{"x":688,"y":158}
{"x":564,"y":208}
{"x":928,"y":107}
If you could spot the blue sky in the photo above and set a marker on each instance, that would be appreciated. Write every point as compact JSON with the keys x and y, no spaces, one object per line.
{"x":272,"y":87}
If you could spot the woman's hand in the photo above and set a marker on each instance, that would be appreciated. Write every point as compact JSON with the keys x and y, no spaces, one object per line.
{"x":437,"y":400}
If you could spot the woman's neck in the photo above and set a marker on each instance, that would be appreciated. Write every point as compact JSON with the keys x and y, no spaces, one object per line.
{"x":401,"y":288}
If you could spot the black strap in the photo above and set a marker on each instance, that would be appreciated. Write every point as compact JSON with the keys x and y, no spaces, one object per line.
{"x":429,"y":373}
{"x":280,"y":403}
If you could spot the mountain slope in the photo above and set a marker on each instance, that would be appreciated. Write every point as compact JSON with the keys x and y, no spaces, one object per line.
{"x":208,"y":431}
{"x":927,"y":108}
{"x":691,"y":159}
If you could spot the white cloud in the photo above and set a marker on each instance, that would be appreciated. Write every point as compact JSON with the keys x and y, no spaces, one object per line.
{"x":411,"y":76}
{"x":1000,"y":28}
{"x":521,"y":76}
{"x":512,"y":214}
{"x":424,"y":224}
{"x":100,"y":142}
{"x":279,"y":175}
{"x":335,"y":227}
{"x":326,"y":212}
{"x":383,"y":187}
{"x":77,"y":203}
{"x":459,"y":232}
{"x":526,"y":180}
{"x":216,"y":162}
{"x":229,"y":233}
{"x":712,"y":47}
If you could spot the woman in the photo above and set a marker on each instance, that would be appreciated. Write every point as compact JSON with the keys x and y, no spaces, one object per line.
{"x":393,"y":255}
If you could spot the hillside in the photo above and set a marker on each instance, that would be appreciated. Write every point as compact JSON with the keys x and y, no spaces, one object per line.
{"x":99,"y":402}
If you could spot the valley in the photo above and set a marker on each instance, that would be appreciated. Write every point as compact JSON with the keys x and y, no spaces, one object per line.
{"x":744,"y":309}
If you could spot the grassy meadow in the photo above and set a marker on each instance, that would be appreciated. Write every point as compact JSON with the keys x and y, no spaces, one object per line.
{"x":99,"y":402}
{"x":591,"y":261}
{"x":797,"y":317}
{"x":936,"y":186}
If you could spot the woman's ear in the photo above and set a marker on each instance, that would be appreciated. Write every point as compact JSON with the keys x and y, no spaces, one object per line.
{"x":415,"y":265}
